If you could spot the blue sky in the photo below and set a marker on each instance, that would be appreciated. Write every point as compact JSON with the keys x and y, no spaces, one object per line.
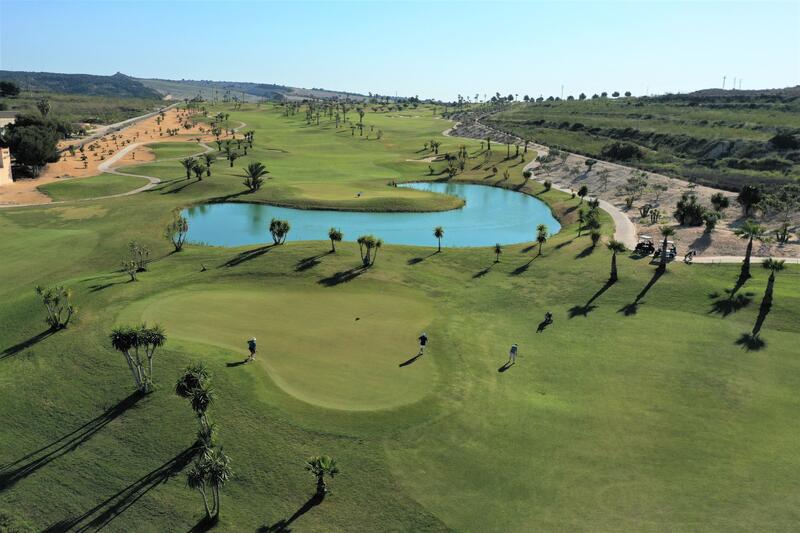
{"x":433,"y":49}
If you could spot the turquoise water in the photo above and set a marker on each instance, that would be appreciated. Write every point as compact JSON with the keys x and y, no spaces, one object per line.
{"x":491,"y":215}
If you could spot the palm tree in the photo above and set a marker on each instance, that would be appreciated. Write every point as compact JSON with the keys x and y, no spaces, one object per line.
{"x":188,"y":165}
{"x":750,"y":230}
{"x":279,"y":230}
{"x":366,"y":245}
{"x":219,"y":472}
{"x":196,"y":479}
{"x":666,"y":232}
{"x":438,"y":232}
{"x":209,"y":160}
{"x":773,"y":265}
{"x":497,"y":251}
{"x":583,"y":191}
{"x":541,"y":236}
{"x":616,"y":247}
{"x":253,"y":176}
{"x":320,"y":466}
{"x":193,"y":377}
{"x":199,"y":168}
{"x":335,"y":236}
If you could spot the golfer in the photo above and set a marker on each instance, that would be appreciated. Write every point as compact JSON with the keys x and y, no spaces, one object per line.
{"x":423,"y":341}
{"x":512,"y":354}
{"x":251,"y":345}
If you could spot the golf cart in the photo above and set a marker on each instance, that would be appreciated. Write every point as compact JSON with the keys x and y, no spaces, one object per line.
{"x":671,"y":251}
{"x":645,"y":245}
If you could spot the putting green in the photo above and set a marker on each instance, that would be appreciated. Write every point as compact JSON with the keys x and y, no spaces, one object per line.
{"x":339,"y":349}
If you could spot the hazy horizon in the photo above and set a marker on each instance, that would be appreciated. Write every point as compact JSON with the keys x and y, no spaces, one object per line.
{"x":434,"y":50}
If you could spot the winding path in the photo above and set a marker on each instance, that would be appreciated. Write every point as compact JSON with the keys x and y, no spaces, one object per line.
{"x":106,"y":168}
{"x":624,"y":228}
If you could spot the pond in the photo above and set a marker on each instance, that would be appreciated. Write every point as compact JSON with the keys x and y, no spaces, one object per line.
{"x":491,"y":215}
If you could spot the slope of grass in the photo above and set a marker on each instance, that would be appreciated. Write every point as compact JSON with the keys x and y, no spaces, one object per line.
{"x":636,"y":409}
{"x":104,"y":185}
{"x":713,"y":141}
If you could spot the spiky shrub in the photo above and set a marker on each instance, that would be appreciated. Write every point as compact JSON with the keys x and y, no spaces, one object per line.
{"x":57,"y":302}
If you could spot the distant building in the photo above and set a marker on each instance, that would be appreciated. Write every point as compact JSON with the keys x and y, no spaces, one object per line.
{"x":7,"y":117}
{"x":5,"y":167}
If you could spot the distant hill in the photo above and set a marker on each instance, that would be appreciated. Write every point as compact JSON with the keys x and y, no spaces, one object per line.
{"x":788,"y":92}
{"x":118,"y":85}
{"x":179,"y":89}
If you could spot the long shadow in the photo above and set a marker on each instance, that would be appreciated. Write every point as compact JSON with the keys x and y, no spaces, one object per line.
{"x":563,"y":244}
{"x":220,"y":199}
{"x":763,"y":311}
{"x":586,"y":252}
{"x":342,"y":277}
{"x":633,"y":307}
{"x":410,"y":361}
{"x":417,"y":260}
{"x":307,"y":263}
{"x":24,"y":345}
{"x":235,"y":363}
{"x":204,"y":524}
{"x":528,"y":248}
{"x":507,"y":365}
{"x":522,"y":268}
{"x":247,"y":255}
{"x":481,"y":273}
{"x":103,"y":513}
{"x":179,"y":189}
{"x":10,"y":473}
{"x":102,"y":286}
{"x":283,"y":524}
{"x":585,"y":309}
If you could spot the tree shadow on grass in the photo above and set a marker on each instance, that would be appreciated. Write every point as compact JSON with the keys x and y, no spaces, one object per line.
{"x":633,"y":307}
{"x":752,"y":341}
{"x":523,"y":267}
{"x":205,"y":524}
{"x":342,"y":277}
{"x":733,"y":303}
{"x":586,"y":252}
{"x":481,"y":273}
{"x":563,"y":244}
{"x":283,"y":524}
{"x":24,"y":345}
{"x":179,"y":189}
{"x":103,"y":513}
{"x":248,"y":255}
{"x":417,"y":260}
{"x":11,"y":473}
{"x":585,"y":309}
{"x":310,"y":262}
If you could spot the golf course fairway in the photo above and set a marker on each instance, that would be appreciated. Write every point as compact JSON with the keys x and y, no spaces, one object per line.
{"x":646,"y":405}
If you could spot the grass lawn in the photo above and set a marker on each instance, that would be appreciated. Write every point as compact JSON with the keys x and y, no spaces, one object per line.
{"x":635,"y":410}
{"x":104,"y":185}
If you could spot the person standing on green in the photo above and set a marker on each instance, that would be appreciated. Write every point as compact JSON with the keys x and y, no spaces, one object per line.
{"x":251,"y":345}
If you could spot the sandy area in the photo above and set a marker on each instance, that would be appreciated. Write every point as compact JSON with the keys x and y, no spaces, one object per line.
{"x":74,"y":166}
{"x":572,"y":173}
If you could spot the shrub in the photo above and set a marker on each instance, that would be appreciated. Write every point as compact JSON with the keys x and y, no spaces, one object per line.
{"x":621,"y":151}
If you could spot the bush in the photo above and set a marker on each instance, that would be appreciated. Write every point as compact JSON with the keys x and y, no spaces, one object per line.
{"x":621,"y":151}
{"x":688,"y":212}
{"x":785,"y":141}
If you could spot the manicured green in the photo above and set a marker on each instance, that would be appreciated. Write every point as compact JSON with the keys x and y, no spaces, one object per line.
{"x":78,"y":188}
{"x":627,"y":413}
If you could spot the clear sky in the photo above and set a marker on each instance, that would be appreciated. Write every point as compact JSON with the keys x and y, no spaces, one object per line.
{"x":431,"y":49}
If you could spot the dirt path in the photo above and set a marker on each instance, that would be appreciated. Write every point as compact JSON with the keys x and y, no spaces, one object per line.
{"x":109,"y":153}
{"x":726,"y":259}
{"x":605,"y":181}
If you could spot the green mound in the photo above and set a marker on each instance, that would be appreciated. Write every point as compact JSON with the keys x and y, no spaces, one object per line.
{"x":332,"y":349}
